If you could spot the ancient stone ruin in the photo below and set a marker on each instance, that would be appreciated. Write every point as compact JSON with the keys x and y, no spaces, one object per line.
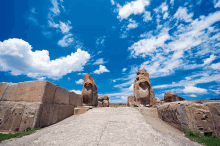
{"x":143,"y":92}
{"x":199,"y":116}
{"x":103,"y":101}
{"x":170,"y":97}
{"x":89,"y":91}
{"x":130,"y":101}
{"x":27,"y":105}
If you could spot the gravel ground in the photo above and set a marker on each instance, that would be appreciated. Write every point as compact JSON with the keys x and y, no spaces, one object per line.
{"x":123,"y":126}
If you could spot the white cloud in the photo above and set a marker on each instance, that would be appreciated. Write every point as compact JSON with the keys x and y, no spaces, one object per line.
{"x":80,"y":81}
{"x":16,"y":56}
{"x":147,"y":46}
{"x":217,"y":3}
{"x":147,"y":16}
{"x":114,"y":81}
{"x":68,"y":79}
{"x":216,"y":66}
{"x":131,"y":87}
{"x":165,"y":16}
{"x":41,"y":78}
{"x":120,"y":99}
{"x":99,"y":61}
{"x":33,"y":10}
{"x":132,"y":24}
{"x":164,"y":7}
{"x":209,"y":60}
{"x":66,"y":40}
{"x":133,"y":7}
{"x":53,"y":24}
{"x":192,"y":95}
{"x":101,"y":69}
{"x":64,"y":27}
{"x":172,"y":2}
{"x":124,"y":69}
{"x":55,"y":9}
{"x":191,"y":89}
{"x":112,"y":2}
{"x":76,"y":91}
{"x":181,"y":14}
{"x":82,"y":74}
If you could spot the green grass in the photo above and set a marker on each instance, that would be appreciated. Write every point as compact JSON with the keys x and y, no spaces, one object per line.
{"x":18,"y":135}
{"x":209,"y":140}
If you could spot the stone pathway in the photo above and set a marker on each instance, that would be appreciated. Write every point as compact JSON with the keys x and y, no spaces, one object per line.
{"x":124,"y":126}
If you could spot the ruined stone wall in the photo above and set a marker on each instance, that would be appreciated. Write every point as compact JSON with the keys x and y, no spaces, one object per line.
{"x":28,"y":105}
{"x":199,"y":117}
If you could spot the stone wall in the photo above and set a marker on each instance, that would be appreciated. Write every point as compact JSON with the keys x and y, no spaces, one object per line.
{"x":28,"y":105}
{"x":199,"y":117}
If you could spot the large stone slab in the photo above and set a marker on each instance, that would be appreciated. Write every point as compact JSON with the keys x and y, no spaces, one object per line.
{"x":35,"y":91}
{"x":152,"y":112}
{"x":78,"y":111}
{"x":79,"y":100}
{"x":65,"y":111}
{"x":46,"y":117}
{"x":215,"y":112}
{"x":11,"y":93}
{"x":3,"y":87}
{"x":31,"y":116}
{"x":72,"y":96}
{"x":61,"y":96}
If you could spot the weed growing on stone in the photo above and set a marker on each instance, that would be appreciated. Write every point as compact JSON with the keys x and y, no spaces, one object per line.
{"x":209,"y":140}
{"x":17,"y":135}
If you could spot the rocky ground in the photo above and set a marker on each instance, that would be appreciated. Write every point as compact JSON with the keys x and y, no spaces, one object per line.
{"x":103,"y":126}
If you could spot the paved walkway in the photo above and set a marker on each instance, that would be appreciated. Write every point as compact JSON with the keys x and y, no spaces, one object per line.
{"x":124,"y":126}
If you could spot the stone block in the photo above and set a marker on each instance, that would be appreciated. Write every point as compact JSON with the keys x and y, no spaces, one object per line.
{"x":78,"y":111}
{"x":8,"y":117}
{"x":215,"y":112}
{"x":31,"y":91}
{"x":17,"y":116}
{"x":3,"y":87}
{"x":152,"y":112}
{"x":100,"y":103}
{"x":105,"y":103}
{"x":72,"y":96}
{"x":79,"y":100}
{"x":11,"y":93}
{"x":61,"y":96}
{"x":46,"y":117}
{"x":31,"y":116}
{"x":49,"y":92}
{"x":65,"y":111}
{"x":56,"y":108}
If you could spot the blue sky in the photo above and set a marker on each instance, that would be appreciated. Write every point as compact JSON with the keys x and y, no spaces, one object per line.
{"x":176,"y":41}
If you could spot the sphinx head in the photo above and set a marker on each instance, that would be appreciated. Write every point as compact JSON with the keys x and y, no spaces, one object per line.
{"x":87,"y":91}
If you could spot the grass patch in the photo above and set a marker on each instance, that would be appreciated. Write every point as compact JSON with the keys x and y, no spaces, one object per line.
{"x":18,"y":135}
{"x":208,"y":140}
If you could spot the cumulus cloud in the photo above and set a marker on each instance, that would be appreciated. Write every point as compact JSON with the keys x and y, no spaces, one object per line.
{"x":16,"y":56}
{"x":101,"y":69}
{"x":76,"y":91}
{"x":133,"y":7}
{"x":80,"y":81}
{"x":114,"y":81}
{"x":112,"y":2}
{"x":165,"y":16}
{"x":191,"y":89}
{"x":209,"y":60}
{"x":99,"y":61}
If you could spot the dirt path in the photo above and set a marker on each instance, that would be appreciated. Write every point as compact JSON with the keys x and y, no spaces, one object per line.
{"x":101,"y":126}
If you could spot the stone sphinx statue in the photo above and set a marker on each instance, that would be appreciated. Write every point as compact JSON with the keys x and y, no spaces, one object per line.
{"x":89,"y":91}
{"x":143,"y":92}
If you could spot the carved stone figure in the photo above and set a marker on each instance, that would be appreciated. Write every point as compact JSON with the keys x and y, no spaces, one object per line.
{"x":143,"y":92}
{"x":89,"y":91}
